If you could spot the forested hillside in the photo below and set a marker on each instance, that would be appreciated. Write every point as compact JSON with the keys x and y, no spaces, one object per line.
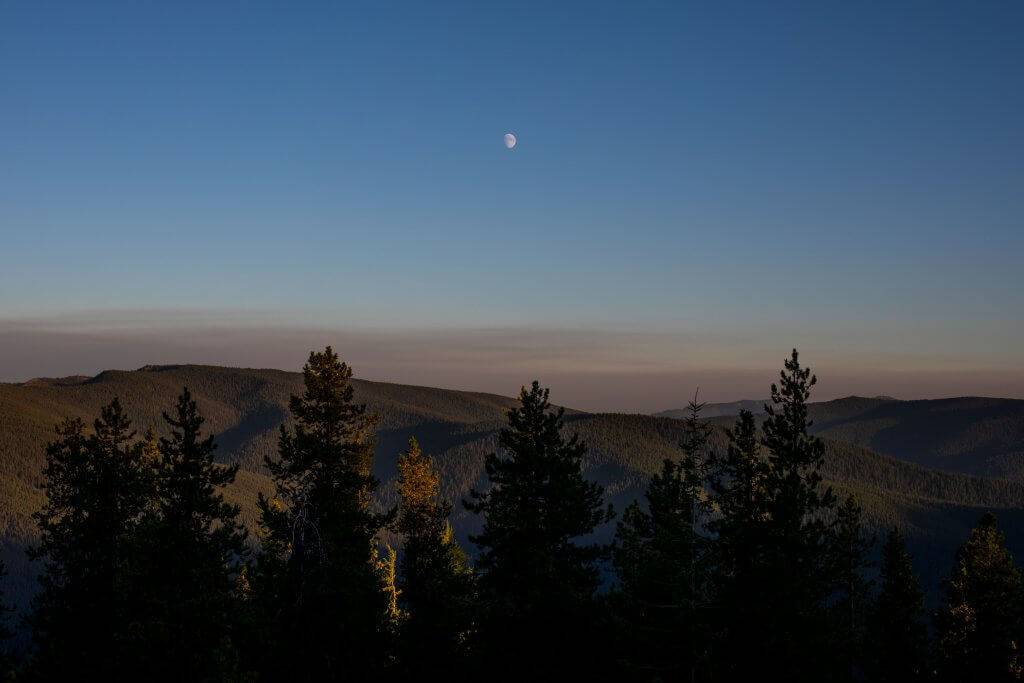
{"x":245,"y":408}
{"x":971,"y":435}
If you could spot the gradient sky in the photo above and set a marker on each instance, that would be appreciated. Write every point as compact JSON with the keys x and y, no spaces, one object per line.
{"x":697,"y":188}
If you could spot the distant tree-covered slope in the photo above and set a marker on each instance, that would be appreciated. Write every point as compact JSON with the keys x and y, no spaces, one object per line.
{"x":970,"y":435}
{"x":244,"y":408}
{"x":982,"y":436}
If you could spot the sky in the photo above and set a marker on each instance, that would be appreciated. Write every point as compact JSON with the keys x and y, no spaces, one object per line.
{"x":697,"y":188}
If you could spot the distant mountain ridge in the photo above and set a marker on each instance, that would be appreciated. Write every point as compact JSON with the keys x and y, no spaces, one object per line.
{"x":733,"y":408}
{"x":245,"y":407}
{"x":728,"y":409}
{"x":56,"y":381}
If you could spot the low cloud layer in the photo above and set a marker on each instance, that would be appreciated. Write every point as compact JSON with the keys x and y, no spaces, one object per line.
{"x":591,"y":369}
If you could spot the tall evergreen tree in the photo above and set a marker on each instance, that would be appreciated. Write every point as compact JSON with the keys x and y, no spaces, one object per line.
{"x":979,"y":627}
{"x":318,"y":577}
{"x":539,"y":581}
{"x":849,"y":557}
{"x":435,"y":580}
{"x":793,"y":569}
{"x":797,"y":576}
{"x":897,"y":649}
{"x":98,"y":489}
{"x":191,"y":549}
{"x":736,"y":484}
{"x":659,"y":556}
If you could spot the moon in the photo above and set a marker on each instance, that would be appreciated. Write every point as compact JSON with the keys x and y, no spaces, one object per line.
{"x":510,"y":140}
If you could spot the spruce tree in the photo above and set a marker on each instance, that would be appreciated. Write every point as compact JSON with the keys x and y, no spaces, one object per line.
{"x":659,"y":556}
{"x":98,"y":489}
{"x":979,"y":627}
{"x":849,"y":552}
{"x":191,"y":549}
{"x":897,"y":649}
{"x":538,"y":579}
{"x":435,"y":580}
{"x":318,"y":578}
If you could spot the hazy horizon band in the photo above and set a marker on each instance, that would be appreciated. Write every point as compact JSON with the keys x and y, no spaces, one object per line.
{"x":590,"y":368}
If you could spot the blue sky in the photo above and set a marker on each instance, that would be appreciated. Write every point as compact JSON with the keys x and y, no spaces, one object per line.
{"x":844,"y":177}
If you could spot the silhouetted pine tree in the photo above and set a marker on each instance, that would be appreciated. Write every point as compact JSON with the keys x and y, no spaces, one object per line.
{"x":849,"y":551}
{"x":538,"y":581}
{"x":897,"y":649}
{"x":659,"y":556}
{"x":979,"y":627}
{"x":736,"y":483}
{"x":435,"y":580}
{"x":795,"y":576}
{"x":98,"y":488}
{"x":191,"y":548}
{"x":318,"y":578}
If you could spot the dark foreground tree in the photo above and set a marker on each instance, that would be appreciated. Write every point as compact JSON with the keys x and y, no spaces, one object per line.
{"x":781,"y":509}
{"x":660,"y":559}
{"x":736,"y":484}
{"x":319,"y":579}
{"x":6,"y":663}
{"x":98,"y":488}
{"x":190,"y":551}
{"x":796,"y":577}
{"x":849,"y":550}
{"x":897,"y":634}
{"x":538,"y":580}
{"x":435,"y":580}
{"x":979,"y":627}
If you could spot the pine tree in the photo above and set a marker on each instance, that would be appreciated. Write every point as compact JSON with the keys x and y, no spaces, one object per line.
{"x":659,"y":556}
{"x":793,"y":571}
{"x":191,"y":549}
{"x":736,"y":483}
{"x":539,"y":582}
{"x":98,"y":489}
{"x":318,"y":578}
{"x":979,"y":627}
{"x":435,"y":580}
{"x":849,"y":557}
{"x":898,"y":636}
